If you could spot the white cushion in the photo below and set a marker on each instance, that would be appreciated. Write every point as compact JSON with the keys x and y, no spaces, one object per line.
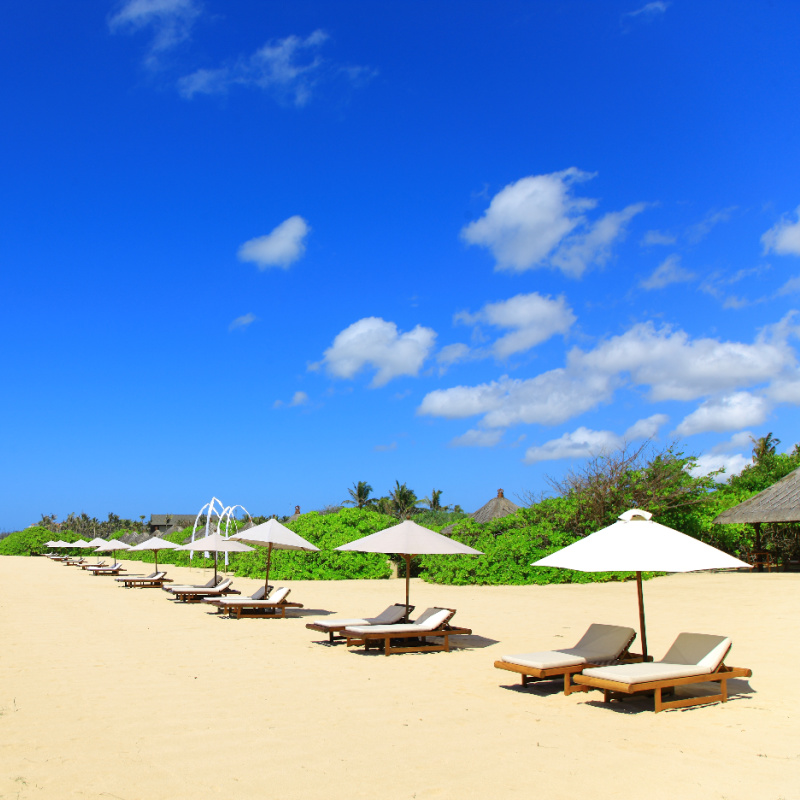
{"x":547,"y":659}
{"x":645,"y":672}
{"x":340,"y":623}
{"x":698,"y":648}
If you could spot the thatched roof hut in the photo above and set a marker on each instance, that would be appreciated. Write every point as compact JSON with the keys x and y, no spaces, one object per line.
{"x":778,"y":503}
{"x":496,"y":508}
{"x":295,"y":515}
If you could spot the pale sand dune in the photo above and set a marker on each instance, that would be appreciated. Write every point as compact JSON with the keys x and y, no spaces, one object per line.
{"x":114,"y":693}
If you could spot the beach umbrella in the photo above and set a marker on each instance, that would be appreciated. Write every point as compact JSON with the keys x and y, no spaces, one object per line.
{"x":274,"y":535}
{"x":114,"y":544}
{"x":408,"y":540}
{"x":637,"y":544}
{"x":216,"y":543}
{"x":97,"y":542}
{"x":155,"y":544}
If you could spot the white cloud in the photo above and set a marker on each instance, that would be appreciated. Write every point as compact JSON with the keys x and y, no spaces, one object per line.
{"x":376,"y":343}
{"x":667,"y":272}
{"x":649,"y":10}
{"x":784,"y":237}
{"x":478,"y":438}
{"x":288,"y":68}
{"x":646,"y":428}
{"x":669,"y":363}
{"x":657,"y":238}
{"x":171,"y":22}
{"x":584,"y":442}
{"x":676,"y":367}
{"x":298,"y":399}
{"x":727,"y":413}
{"x":452,"y":354}
{"x":697,"y":232}
{"x":738,"y":441}
{"x":532,"y":319}
{"x":792,"y":286}
{"x":280,"y":248}
{"x":548,"y":399}
{"x":537,"y":222}
{"x":242,"y":322}
{"x":733,"y":464}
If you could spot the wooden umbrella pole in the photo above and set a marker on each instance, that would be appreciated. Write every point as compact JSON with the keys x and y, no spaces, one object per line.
{"x":642,"y":630}
{"x":215,"y":567}
{"x":408,"y":580}
{"x":155,"y":552}
{"x":269,"y":558}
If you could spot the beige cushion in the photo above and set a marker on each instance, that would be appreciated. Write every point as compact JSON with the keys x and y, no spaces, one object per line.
{"x":428,"y":621}
{"x":698,"y":648}
{"x":601,"y":644}
{"x":642,"y":673}
{"x":339,"y":623}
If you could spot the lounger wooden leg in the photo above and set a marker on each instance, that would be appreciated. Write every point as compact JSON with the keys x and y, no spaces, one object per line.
{"x":570,"y":687}
{"x":724,"y":689}
{"x":659,"y":707}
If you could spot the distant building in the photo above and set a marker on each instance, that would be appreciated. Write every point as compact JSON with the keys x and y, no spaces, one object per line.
{"x":161,"y":523}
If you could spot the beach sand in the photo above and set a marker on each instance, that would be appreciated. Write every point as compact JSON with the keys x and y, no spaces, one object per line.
{"x":114,"y":693}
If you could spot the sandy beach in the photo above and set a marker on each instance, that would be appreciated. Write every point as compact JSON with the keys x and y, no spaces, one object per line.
{"x":114,"y":693}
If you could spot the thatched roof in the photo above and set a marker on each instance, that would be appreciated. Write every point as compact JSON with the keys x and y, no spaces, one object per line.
{"x":496,"y":508}
{"x":778,"y":503}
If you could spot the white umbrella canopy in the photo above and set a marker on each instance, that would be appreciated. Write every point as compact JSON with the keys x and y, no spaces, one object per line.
{"x":216,"y":543}
{"x":98,"y":542}
{"x":408,"y":540}
{"x":155,"y":544}
{"x":114,"y":544}
{"x":637,"y":544}
{"x":274,"y":535}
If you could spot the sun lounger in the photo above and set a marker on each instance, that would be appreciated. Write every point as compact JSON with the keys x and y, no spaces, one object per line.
{"x":208,"y":585}
{"x":193,"y":594}
{"x":86,"y":566}
{"x":601,"y":644}
{"x":693,"y":658}
{"x":413,"y":637}
{"x":276,"y":606}
{"x":114,"y":569}
{"x":259,"y":594}
{"x":74,"y":562}
{"x":157,"y":579}
{"x":390,"y":616}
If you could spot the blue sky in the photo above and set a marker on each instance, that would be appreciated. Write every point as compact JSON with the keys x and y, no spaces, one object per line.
{"x":265,"y":250}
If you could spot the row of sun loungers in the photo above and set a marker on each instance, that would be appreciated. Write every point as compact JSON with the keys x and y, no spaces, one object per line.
{"x":601,"y":659}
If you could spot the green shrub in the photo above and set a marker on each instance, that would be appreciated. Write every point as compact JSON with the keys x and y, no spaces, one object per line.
{"x":28,"y":542}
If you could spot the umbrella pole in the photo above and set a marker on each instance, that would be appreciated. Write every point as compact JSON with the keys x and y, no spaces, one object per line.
{"x":269,"y":558}
{"x":215,"y":567}
{"x":408,"y":579}
{"x":642,"y":630}
{"x":155,"y":553}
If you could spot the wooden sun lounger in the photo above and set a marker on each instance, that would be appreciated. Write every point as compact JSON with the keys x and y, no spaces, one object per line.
{"x":193,"y":595}
{"x":413,"y":637}
{"x":112,"y":570}
{"x":209,"y":585}
{"x":247,"y":607}
{"x":693,"y":658}
{"x":391,"y":616}
{"x":601,"y":644}
{"x":96,"y":566}
{"x":156,"y":579}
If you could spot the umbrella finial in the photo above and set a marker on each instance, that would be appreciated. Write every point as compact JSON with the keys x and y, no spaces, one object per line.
{"x":635,"y":514}
{"x":500,"y":493}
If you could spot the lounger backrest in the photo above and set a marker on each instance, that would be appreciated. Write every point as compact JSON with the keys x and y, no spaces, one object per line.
{"x":212,"y":582}
{"x":224,"y":585}
{"x":152,"y":575}
{"x":259,"y":593}
{"x":279,"y":594}
{"x":432,"y":618}
{"x":391,"y":615}
{"x":701,"y":649}
{"x":604,"y":642}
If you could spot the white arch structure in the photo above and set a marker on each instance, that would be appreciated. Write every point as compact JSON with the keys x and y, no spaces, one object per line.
{"x":225,"y":516}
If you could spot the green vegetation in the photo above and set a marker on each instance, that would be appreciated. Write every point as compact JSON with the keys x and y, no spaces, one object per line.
{"x":585,"y":500}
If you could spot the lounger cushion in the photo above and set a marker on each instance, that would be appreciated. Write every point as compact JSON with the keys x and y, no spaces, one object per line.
{"x":428,"y":621}
{"x":698,"y":648}
{"x":278,"y":596}
{"x":547,"y":659}
{"x":387,"y":617}
{"x":643,"y":673}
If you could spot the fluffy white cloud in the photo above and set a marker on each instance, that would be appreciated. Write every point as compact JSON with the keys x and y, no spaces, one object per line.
{"x":375,"y":342}
{"x":739,"y":441}
{"x":784,"y":237}
{"x":728,"y":413}
{"x":478,"y":438}
{"x":584,"y":442}
{"x":280,"y":248}
{"x":667,"y":272}
{"x":733,"y":464}
{"x":452,"y":354}
{"x":531,"y":318}
{"x":171,"y":22}
{"x":792,"y":286}
{"x":242,"y":322}
{"x":671,"y":364}
{"x":548,"y":399}
{"x":676,"y":367}
{"x":537,"y":221}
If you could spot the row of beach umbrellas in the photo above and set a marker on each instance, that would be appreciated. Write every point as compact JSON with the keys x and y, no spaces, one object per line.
{"x":634,"y":543}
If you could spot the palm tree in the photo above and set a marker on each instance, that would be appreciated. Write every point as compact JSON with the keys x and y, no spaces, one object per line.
{"x":433,"y":502}
{"x":764,"y":447}
{"x":403,"y":500}
{"x":359,"y":495}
